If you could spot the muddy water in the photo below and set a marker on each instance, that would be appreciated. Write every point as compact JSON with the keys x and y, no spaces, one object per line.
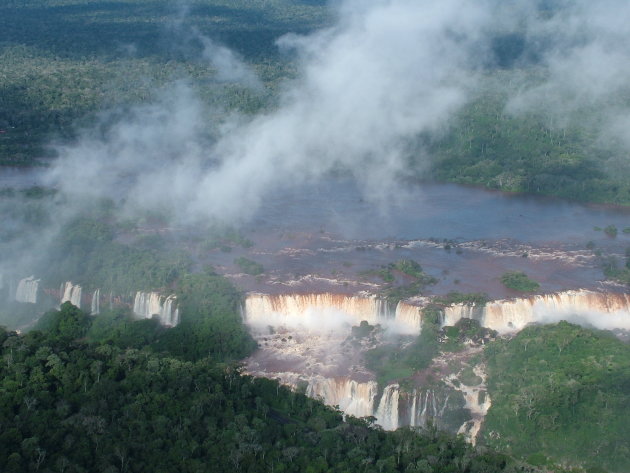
{"x":321,"y":237}
{"x":434,"y":210}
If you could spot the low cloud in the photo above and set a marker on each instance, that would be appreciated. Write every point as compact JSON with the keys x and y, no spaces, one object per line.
{"x":367,"y":87}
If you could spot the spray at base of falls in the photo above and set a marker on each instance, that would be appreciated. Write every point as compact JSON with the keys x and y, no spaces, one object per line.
{"x":27,"y":290}
{"x":600,"y":309}
{"x":306,"y":341}
{"x":393,"y":408}
{"x":353,"y":397}
{"x":310,"y":334}
{"x":324,"y":311}
{"x":149,"y":304}
{"x":71,"y":293}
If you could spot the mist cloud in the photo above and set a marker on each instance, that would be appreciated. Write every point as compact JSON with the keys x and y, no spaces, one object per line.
{"x":386,"y":72}
{"x":367,"y":87}
{"x":583,"y":48}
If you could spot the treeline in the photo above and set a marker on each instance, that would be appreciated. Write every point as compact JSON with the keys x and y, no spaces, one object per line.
{"x":488,"y":146}
{"x":86,"y":251}
{"x":560,"y":391}
{"x":72,"y":402}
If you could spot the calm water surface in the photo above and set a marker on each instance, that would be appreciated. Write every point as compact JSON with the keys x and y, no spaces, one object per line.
{"x":437,"y":210}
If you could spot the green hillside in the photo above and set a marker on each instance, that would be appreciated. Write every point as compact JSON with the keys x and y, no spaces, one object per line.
{"x":561,"y":391}
{"x":74,"y":401}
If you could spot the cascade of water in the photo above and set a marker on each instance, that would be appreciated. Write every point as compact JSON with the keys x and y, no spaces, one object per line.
{"x":414,"y":408}
{"x":323,"y":311}
{"x":71,"y":293}
{"x":352,"y":397}
{"x":27,"y":290}
{"x":454,"y":313}
{"x":426,"y":404}
{"x":149,"y":304}
{"x":387,"y":412}
{"x":409,"y":316}
{"x":96,"y":303}
{"x":169,"y":313}
{"x":603,"y":310}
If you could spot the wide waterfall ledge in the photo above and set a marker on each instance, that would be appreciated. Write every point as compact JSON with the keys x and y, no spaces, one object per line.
{"x":602,"y":310}
{"x":306,"y":343}
{"x":325,"y":312}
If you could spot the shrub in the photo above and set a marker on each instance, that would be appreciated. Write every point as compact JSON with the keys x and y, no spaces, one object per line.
{"x":519,"y":281}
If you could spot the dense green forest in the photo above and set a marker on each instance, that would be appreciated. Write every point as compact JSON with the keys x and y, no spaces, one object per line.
{"x":114,"y":394}
{"x":560,"y":391}
{"x":77,"y":398}
{"x":63,"y":61}
{"x":489,"y":146}
{"x":86,"y":250}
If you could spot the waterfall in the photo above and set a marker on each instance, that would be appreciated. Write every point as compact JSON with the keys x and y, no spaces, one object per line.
{"x":387,"y":412}
{"x":409,"y":315}
{"x":96,"y":304}
{"x":71,"y":293}
{"x":395,"y":408}
{"x":426,"y":404}
{"x":169,"y":315}
{"x":328,"y":311}
{"x":454,"y":313}
{"x":477,"y":402}
{"x":600,"y":309}
{"x":149,"y":304}
{"x":352,"y":397}
{"x":27,"y":290}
